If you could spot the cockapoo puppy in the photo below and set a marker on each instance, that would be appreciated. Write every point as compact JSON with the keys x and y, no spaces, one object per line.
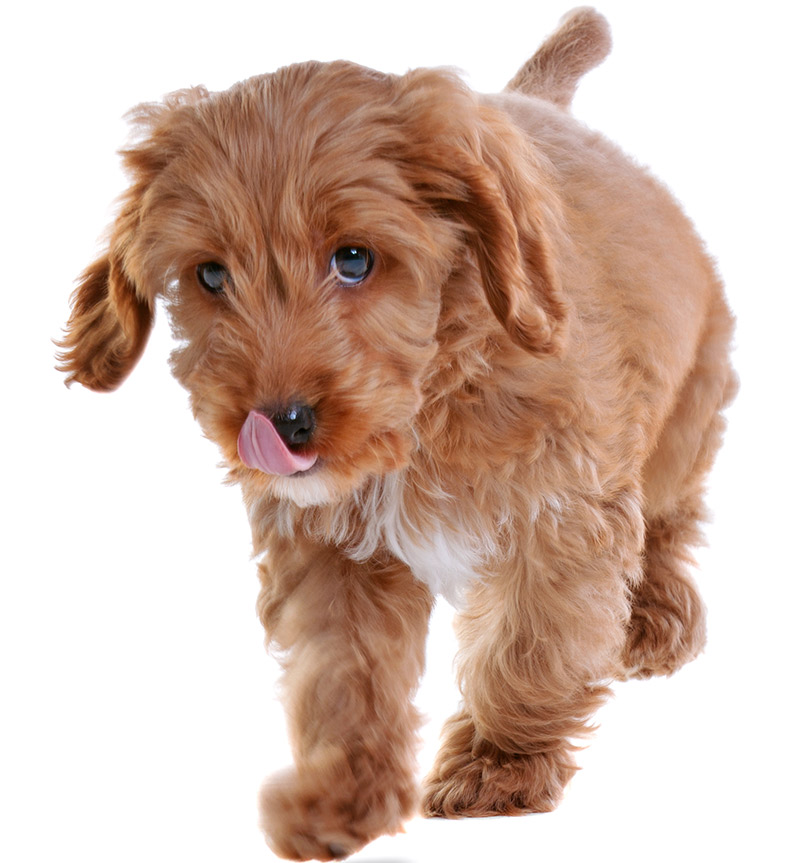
{"x":447,"y":344}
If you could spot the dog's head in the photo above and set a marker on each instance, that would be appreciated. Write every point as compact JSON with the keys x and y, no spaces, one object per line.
{"x":306,"y":229}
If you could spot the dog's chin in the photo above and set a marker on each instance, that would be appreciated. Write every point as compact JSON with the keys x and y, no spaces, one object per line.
{"x":333,"y":479}
{"x":315,"y":488}
{"x":305,"y":491}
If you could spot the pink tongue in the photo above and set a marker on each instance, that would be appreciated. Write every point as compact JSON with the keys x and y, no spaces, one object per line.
{"x":261,"y":447}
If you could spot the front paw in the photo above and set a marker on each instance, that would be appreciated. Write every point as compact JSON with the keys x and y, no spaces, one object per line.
{"x":313,"y":818}
{"x":474,"y":778}
{"x":513,"y":785}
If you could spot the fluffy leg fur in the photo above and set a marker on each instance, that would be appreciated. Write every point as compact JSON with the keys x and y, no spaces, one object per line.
{"x":537,"y":644}
{"x":667,"y":627}
{"x":353,"y":637}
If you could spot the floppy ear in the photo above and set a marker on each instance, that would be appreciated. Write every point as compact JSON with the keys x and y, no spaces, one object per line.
{"x":112,"y":307}
{"x":510,"y":237}
{"x":476,"y":167}
{"x":111,"y":315}
{"x":107,"y":328}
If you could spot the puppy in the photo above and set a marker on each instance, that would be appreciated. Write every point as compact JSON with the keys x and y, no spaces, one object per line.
{"x":447,"y":344}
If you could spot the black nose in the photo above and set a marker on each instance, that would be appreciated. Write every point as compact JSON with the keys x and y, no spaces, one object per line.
{"x":295,"y":424}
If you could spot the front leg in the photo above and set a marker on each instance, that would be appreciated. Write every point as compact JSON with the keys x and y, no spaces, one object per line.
{"x":539,"y":638}
{"x":352,"y":637}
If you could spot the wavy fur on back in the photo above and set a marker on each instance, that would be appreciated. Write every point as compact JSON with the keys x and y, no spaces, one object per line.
{"x":515,"y":406}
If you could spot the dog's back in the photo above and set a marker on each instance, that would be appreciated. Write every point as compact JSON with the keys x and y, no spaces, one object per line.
{"x":640,"y":281}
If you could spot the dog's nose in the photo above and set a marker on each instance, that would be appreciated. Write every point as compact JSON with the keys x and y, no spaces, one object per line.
{"x":295,"y":424}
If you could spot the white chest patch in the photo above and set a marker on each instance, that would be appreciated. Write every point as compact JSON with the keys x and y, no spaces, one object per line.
{"x":439,"y":546}
{"x":442,"y":560}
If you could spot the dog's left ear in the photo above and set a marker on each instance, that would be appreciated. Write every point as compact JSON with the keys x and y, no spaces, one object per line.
{"x":474,"y":166}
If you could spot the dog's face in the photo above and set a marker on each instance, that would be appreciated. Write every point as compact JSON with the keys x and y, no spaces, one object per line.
{"x":306,"y":229}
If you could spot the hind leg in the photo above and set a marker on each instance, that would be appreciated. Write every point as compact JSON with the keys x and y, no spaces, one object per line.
{"x":667,"y":626}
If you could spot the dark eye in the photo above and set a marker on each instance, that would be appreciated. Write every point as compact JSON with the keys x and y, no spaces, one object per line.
{"x":213,"y":277}
{"x":352,"y":264}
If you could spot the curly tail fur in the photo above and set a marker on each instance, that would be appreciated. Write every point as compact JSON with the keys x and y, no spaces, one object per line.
{"x":581,"y":42}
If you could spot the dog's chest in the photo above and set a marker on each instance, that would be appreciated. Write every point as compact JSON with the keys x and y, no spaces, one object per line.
{"x":437,"y":540}
{"x":443,"y":560}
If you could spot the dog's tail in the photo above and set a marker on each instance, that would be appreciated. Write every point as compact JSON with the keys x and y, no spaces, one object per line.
{"x":581,"y":42}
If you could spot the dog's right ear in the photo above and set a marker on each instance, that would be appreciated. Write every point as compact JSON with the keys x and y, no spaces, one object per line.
{"x":113,"y":305}
{"x":112,"y":314}
{"x":107,"y":328}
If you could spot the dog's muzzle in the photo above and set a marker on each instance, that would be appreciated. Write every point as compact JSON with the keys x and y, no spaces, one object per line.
{"x":266,"y":442}
{"x":296,"y":424}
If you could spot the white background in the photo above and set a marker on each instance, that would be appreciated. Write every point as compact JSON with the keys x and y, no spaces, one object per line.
{"x":137,"y":705}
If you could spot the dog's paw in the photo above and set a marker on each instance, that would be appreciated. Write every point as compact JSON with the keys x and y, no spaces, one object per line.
{"x":664,"y":633}
{"x":304,"y":820}
{"x":484,"y":781}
